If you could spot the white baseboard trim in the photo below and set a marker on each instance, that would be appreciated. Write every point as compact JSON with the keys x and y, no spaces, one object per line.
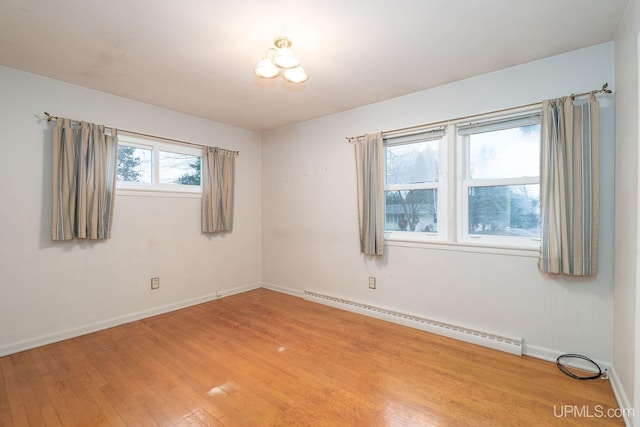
{"x":606,"y":367}
{"x":116,"y":321}
{"x":283,"y":290}
{"x":237,"y":290}
{"x":486,"y":339}
{"x":552,"y":355}
{"x":621,"y":397}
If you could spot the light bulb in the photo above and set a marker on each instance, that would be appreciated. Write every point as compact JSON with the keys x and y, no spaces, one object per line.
{"x":266,"y":69}
{"x":285,"y":58}
{"x":295,"y":75}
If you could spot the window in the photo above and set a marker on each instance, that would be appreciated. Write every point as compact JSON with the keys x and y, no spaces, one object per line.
{"x":414,"y":186}
{"x":492,"y":195}
{"x":500,"y":191}
{"x":149,"y":164}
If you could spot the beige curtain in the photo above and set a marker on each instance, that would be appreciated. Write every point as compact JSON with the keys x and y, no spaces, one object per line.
{"x":570,"y":187}
{"x":218,"y":167}
{"x":370,"y":174}
{"x":84,"y":180}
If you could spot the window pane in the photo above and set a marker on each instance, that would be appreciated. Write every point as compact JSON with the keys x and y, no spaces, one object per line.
{"x":412,"y":163}
{"x":176,"y":168}
{"x":134,"y":164}
{"x":512,"y":210}
{"x":411,"y":210}
{"x":507,"y":153}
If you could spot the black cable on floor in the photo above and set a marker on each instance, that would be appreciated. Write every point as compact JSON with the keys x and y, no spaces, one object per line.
{"x":567,"y":372}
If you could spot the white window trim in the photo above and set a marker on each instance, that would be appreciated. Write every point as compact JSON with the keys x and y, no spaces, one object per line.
{"x":464,"y":182}
{"x":155,"y":188}
{"x":452,"y":205}
{"x":440,"y":186}
{"x":463,"y":213}
{"x":471,"y":247}
{"x":145,"y":192}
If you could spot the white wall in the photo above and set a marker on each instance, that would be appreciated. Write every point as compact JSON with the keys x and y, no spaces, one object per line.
{"x":310,"y":237}
{"x":53,"y":290}
{"x":626,"y":353}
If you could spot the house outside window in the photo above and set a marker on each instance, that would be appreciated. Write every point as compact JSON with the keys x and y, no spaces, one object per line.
{"x":414,"y":183}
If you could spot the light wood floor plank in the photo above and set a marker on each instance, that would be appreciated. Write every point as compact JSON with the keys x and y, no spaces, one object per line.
{"x":266,"y":359}
{"x":13,"y":393}
{"x":33,"y":392}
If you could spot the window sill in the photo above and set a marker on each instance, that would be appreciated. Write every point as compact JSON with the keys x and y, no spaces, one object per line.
{"x":413,"y":241}
{"x":157,"y":193}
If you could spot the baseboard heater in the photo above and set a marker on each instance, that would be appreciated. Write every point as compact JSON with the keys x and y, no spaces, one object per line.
{"x":497,"y":342}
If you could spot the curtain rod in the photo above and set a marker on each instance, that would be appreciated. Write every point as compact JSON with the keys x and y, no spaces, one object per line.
{"x":51,"y":117}
{"x":605,"y":89}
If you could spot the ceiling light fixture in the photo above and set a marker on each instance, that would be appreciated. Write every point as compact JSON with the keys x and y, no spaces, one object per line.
{"x":281,"y":58}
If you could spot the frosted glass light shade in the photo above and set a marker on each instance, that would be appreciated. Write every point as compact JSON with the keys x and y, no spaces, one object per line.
{"x":295,"y":75}
{"x":281,"y":59}
{"x":285,"y":58}
{"x":266,"y":69}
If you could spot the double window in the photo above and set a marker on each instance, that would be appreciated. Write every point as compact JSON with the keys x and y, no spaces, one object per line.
{"x":154,"y":165}
{"x":493,"y":189}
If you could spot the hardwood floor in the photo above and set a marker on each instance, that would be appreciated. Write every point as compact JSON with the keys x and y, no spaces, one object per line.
{"x":268,"y":359}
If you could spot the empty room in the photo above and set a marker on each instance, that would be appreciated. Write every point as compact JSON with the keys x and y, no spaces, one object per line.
{"x":356,"y":213}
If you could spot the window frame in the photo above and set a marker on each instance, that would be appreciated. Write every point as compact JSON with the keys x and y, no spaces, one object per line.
{"x":453,"y":188}
{"x":465,"y":182}
{"x":155,"y":187}
{"x":431,"y":133}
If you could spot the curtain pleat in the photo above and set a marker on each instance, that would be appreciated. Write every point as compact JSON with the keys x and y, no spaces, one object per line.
{"x":84,"y":179}
{"x":570,"y":187}
{"x":218,"y":167}
{"x":370,"y":177}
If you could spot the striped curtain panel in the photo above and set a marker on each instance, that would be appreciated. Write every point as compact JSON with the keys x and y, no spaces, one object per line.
{"x":370,"y":174}
{"x":218,"y":167}
{"x":570,"y":187}
{"x":84,"y":180}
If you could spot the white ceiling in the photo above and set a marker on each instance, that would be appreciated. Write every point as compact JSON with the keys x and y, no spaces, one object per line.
{"x":197,"y":56}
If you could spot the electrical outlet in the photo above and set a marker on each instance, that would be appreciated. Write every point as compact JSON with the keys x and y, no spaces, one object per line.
{"x":155,"y":282}
{"x":218,"y":294}
{"x":372,"y":282}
